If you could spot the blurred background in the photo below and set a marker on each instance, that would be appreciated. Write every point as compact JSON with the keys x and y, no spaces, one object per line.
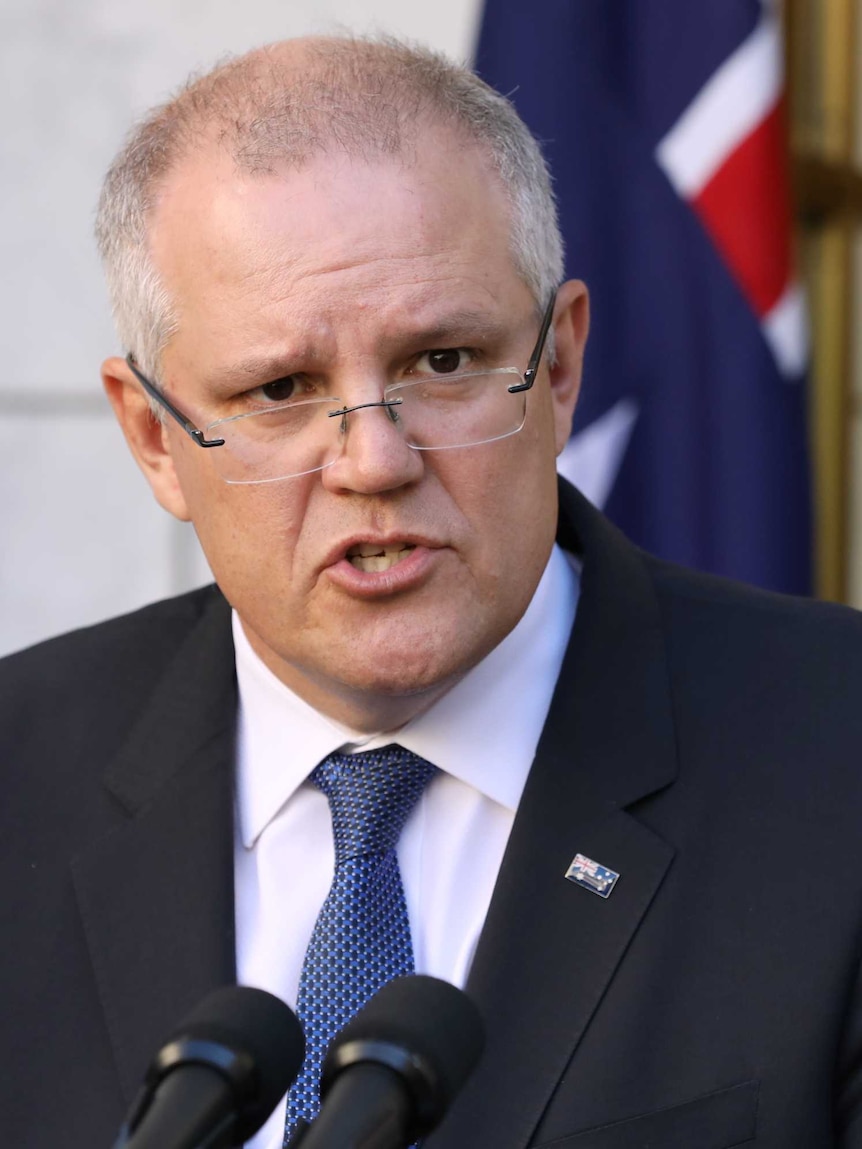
{"x":709,"y":169}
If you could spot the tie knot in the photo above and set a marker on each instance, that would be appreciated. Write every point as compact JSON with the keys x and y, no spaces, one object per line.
{"x":370,"y":796}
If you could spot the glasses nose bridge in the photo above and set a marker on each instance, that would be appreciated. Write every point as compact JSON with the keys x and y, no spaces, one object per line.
{"x":377,"y":456}
{"x":389,"y":406}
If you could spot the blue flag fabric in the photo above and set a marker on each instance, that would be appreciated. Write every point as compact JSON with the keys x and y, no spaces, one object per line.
{"x":713,"y":468}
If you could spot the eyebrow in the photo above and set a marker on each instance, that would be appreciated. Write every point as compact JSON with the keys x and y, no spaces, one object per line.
{"x":463,"y":325}
{"x":255,"y":367}
{"x":451,"y":330}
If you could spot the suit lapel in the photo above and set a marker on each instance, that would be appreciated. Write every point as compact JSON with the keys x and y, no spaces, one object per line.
{"x":550,"y":948}
{"x":156,"y":894}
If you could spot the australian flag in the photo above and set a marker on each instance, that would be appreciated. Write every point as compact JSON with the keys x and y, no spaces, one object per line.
{"x":663,"y":122}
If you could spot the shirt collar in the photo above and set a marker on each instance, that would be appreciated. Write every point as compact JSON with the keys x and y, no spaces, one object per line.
{"x":483,"y":731}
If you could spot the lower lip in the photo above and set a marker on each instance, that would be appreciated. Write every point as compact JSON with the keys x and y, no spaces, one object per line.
{"x":407,"y":574}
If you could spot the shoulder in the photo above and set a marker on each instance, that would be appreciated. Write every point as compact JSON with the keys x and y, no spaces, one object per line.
{"x":705,"y":609}
{"x":139,"y":638}
{"x":771,"y":670}
{"x":57,"y":688}
{"x":714,"y":621}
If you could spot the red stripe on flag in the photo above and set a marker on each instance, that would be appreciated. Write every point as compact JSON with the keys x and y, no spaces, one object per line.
{"x":745,"y":207}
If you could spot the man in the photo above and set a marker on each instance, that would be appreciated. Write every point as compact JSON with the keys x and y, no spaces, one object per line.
{"x":640,"y":850}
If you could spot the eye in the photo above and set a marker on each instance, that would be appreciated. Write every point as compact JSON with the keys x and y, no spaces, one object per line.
{"x":445,"y":361}
{"x":287,"y":389}
{"x":280,"y":390}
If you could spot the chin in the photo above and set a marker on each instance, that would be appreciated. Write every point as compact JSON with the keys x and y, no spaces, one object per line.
{"x":406,"y":663}
{"x":402,"y":673}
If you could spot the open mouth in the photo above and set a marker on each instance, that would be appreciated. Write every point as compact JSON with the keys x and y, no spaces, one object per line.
{"x":371,"y":557}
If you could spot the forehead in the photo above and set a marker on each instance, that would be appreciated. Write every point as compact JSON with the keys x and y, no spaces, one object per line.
{"x":339,"y":238}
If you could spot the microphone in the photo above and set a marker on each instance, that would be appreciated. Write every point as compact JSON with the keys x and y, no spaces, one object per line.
{"x":219,"y":1076}
{"x":390,"y":1075}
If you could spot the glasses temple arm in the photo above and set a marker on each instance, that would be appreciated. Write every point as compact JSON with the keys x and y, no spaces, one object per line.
{"x":154,"y":393}
{"x":533,"y":365}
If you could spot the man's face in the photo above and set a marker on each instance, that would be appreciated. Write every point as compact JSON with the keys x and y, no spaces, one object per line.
{"x":345,"y":275}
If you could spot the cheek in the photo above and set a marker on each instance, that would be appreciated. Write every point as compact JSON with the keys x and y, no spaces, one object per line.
{"x":509,"y":499}
{"x":248,"y":533}
{"x":529,"y":509}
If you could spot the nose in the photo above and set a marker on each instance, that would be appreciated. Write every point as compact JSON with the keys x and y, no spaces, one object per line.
{"x":373,"y":456}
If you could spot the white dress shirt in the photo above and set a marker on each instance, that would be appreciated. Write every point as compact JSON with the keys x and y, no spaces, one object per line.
{"x":482,"y":734}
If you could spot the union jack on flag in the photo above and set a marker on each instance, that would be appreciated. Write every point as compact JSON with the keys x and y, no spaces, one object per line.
{"x":585,"y":872}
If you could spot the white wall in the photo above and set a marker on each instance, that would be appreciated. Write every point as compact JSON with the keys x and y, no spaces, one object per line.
{"x":81,"y":537}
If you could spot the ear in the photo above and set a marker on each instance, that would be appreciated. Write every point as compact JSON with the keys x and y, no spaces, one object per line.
{"x":571,"y":325}
{"x":148,"y":439}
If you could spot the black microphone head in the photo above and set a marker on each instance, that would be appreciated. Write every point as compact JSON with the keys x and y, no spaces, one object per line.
{"x":426,"y":1030}
{"x":250,"y":1036}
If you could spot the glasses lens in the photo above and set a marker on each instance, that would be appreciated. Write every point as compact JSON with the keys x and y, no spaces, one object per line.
{"x":459,"y":410}
{"x":277,"y":443}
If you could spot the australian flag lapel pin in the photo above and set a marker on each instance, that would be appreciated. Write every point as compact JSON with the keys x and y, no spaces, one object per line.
{"x":589,"y":874}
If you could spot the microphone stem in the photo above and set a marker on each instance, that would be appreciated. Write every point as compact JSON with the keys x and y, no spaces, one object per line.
{"x":366,"y":1108}
{"x":192,"y":1109}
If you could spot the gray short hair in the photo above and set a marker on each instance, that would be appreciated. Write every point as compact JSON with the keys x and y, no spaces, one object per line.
{"x":274,"y":108}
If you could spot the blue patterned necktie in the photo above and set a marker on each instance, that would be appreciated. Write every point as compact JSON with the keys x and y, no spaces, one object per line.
{"x":361,"y":939}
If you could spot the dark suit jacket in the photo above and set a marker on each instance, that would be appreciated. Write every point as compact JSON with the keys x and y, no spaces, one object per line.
{"x":705,"y":741}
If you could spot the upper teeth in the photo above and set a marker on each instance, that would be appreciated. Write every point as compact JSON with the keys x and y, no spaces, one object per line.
{"x":374,"y":557}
